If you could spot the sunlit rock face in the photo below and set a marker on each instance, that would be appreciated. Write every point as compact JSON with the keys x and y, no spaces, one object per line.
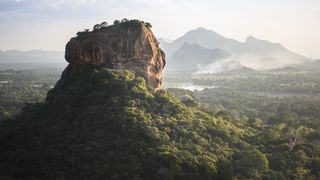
{"x":126,"y":46}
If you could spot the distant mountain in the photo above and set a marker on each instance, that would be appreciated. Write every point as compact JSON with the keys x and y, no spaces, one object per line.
{"x":16,"y":59}
{"x":262,"y":54}
{"x":286,"y":70}
{"x":309,"y":67}
{"x":193,"y":57}
{"x":17,"y":56}
{"x":254,"y":53}
{"x":205,"y":38}
{"x":239,"y":70}
{"x":164,"y":40}
{"x":227,"y":66}
{"x":315,"y":65}
{"x":262,"y":46}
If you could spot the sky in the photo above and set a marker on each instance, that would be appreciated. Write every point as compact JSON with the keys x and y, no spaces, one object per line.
{"x":49,"y":24}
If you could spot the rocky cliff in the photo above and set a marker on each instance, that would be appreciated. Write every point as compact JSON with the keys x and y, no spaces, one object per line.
{"x":129,"y":45}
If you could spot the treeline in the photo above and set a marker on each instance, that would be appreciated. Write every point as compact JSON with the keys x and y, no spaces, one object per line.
{"x":297,"y":83}
{"x":109,"y":125}
{"x":105,"y":25}
{"x":285,"y":130}
{"x":24,"y":86}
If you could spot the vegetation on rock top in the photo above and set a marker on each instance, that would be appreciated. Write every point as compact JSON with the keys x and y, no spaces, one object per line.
{"x":123,"y":23}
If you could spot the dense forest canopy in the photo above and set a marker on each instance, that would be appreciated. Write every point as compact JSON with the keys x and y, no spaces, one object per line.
{"x":106,"y":123}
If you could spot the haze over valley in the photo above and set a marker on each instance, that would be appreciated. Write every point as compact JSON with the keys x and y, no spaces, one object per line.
{"x":210,"y":52}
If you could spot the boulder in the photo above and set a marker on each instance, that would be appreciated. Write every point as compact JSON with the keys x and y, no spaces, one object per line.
{"x":129,"y":45}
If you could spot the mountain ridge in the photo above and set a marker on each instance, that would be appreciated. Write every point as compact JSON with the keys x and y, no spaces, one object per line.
{"x":193,"y":57}
{"x":19,"y":56}
{"x":196,"y":35}
{"x":254,"y":53}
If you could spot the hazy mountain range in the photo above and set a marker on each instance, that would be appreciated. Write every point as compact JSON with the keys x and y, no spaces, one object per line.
{"x":313,"y":66}
{"x":253,"y":53}
{"x":16,"y":59}
{"x":192,"y":57}
{"x":198,"y":51}
{"x":15,"y":56}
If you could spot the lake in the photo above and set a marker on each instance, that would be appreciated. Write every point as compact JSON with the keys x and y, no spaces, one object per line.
{"x":193,"y":87}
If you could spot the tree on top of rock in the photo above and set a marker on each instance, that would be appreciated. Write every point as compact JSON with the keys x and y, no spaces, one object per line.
{"x":124,"y":20}
{"x":116,"y":22}
{"x":148,"y":25}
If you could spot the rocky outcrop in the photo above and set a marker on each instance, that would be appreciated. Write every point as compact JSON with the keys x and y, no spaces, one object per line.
{"x":129,"y":45}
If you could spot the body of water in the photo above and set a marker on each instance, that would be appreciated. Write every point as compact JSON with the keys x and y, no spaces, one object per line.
{"x":193,"y":87}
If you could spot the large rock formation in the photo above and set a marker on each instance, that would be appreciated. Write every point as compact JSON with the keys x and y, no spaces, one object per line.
{"x":129,"y":45}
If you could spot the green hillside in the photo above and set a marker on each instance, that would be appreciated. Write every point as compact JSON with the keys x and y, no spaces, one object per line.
{"x":106,"y":124}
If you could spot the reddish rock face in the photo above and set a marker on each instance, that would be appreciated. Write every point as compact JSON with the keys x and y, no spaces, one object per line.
{"x":127,"y":46}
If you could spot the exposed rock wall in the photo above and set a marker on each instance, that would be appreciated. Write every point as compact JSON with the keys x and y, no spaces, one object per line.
{"x":126,"y":46}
